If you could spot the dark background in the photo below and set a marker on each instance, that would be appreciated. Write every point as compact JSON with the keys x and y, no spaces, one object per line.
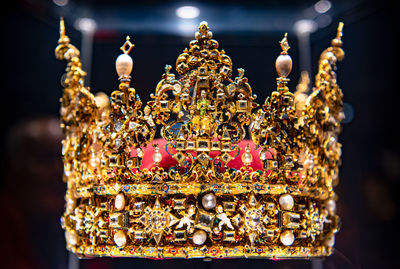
{"x":31,"y":189}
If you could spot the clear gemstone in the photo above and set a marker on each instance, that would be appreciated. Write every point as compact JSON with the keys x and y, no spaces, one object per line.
{"x":118,"y":126}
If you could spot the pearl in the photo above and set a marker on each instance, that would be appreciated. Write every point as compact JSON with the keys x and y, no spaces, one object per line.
{"x":209,"y":201}
{"x":120,"y":238}
{"x":287,"y":238}
{"x":308,"y":164}
{"x":119,"y":202}
{"x":247,"y":158}
{"x":331,"y":206}
{"x":124,"y":65}
{"x":157,"y":157}
{"x":283,"y":65}
{"x":71,"y":204}
{"x":286,"y":201}
{"x":330,"y":240}
{"x":199,"y":237}
{"x":71,"y":237}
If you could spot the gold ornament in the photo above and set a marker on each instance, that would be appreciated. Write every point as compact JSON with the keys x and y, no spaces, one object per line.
{"x":200,"y":206}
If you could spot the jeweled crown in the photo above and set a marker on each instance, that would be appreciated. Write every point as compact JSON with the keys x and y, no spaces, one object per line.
{"x":203,"y":190}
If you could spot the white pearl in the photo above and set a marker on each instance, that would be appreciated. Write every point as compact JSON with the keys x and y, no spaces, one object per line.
{"x":71,"y":237}
{"x":71,"y":204}
{"x":119,"y":202}
{"x":308,"y":164}
{"x":209,"y":201}
{"x":286,"y":201}
{"x":124,"y":65}
{"x":247,"y":158}
{"x":199,"y":237}
{"x":157,"y":157}
{"x":287,"y":238}
{"x":330,"y":240}
{"x":331,"y":206}
{"x":120,"y":238}
{"x":283,"y":65}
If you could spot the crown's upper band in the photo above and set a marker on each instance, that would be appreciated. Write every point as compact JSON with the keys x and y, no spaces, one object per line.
{"x":207,"y":192}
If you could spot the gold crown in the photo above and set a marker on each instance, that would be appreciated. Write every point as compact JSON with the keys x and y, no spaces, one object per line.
{"x":206,"y":191}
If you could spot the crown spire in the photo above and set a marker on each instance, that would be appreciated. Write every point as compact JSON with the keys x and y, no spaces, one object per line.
{"x":124,"y":63}
{"x":337,"y":42}
{"x":127,"y":46}
{"x":283,"y":63}
{"x":284,"y":45}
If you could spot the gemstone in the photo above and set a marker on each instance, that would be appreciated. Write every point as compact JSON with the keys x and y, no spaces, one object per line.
{"x":287,"y":238}
{"x":118,"y":126}
{"x":199,"y":237}
{"x":229,"y":206}
{"x":180,"y":235}
{"x":286,"y":201}
{"x":132,"y":125}
{"x":226,"y":157}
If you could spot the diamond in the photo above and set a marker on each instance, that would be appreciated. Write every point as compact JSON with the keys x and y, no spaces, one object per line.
{"x":132,"y":125}
{"x":204,"y":220}
{"x":226,"y":157}
{"x":117,"y":187}
{"x":118,"y":126}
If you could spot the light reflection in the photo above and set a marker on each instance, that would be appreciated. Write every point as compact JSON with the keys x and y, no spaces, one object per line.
{"x":322,"y":6}
{"x":188,"y":12}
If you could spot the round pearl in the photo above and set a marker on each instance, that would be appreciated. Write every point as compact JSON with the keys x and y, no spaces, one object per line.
{"x":199,"y":237}
{"x":247,"y":158}
{"x":286,"y":201}
{"x":330,"y":240}
{"x":283,"y":65}
{"x":124,"y":65}
{"x":119,"y":202}
{"x":287,"y":238}
{"x":120,"y":238}
{"x":71,"y":237}
{"x":209,"y":201}
{"x":331,"y":206}
{"x":157,"y":157}
{"x":308,"y":164}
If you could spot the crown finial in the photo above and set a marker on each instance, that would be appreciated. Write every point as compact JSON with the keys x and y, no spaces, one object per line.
{"x":64,"y":39}
{"x":62,"y":27}
{"x":124,"y":62}
{"x":337,"y":42}
{"x":284,"y":44}
{"x":283,"y":63}
{"x":204,"y":31}
{"x":127,"y":46}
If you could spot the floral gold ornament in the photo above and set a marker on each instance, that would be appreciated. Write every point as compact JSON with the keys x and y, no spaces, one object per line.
{"x":205,"y":191}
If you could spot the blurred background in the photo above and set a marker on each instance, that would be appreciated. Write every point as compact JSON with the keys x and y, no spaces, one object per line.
{"x":31,"y":188}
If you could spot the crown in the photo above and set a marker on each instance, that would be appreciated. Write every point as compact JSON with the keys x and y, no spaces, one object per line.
{"x":229,"y":178}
